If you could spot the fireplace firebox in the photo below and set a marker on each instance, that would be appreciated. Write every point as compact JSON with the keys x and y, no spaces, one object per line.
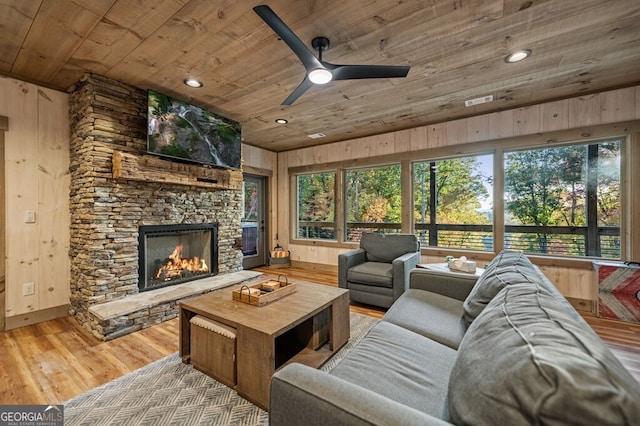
{"x":173,"y":254}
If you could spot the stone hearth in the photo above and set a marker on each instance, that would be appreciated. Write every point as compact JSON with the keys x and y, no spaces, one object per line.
{"x":108,"y":116}
{"x":131,"y":313}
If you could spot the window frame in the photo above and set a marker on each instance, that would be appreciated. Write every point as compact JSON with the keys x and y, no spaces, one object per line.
{"x":628,"y":131}
{"x":453,"y":157}
{"x":571,"y":143}
{"x":343,"y":194}
{"x":295,"y":202}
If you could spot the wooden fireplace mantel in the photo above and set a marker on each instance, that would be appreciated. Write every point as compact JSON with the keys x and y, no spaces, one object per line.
{"x":148,"y":168}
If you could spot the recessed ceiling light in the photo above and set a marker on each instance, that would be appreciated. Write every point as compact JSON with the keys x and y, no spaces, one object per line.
{"x":281,"y":121}
{"x":192,"y":82}
{"x":517,"y":56}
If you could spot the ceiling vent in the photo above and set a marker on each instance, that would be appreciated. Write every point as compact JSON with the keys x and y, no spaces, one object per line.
{"x":478,"y":101}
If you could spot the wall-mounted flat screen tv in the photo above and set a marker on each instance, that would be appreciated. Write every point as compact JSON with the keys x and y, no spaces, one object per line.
{"x":185,"y":132}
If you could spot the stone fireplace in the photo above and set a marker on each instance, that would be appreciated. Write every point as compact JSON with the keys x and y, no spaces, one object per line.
{"x":108,"y":212}
{"x":173,"y":254}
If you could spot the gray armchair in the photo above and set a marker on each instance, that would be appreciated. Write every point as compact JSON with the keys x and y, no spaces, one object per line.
{"x":377,"y":273}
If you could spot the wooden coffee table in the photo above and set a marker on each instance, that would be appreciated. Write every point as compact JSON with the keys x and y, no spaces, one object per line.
{"x":307,"y":326}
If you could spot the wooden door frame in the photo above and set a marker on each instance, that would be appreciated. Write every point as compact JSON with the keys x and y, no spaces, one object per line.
{"x":264,"y":209}
{"x":4,"y":125}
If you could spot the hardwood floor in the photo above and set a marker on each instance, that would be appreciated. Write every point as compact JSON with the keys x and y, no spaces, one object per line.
{"x":54,"y":361}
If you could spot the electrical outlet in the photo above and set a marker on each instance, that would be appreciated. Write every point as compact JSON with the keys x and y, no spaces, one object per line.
{"x":28,"y":289}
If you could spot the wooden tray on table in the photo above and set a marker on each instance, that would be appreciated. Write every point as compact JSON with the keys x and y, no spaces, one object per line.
{"x":264,"y":292}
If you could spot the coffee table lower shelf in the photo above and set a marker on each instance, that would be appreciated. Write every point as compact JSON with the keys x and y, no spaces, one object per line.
{"x":308,"y":326}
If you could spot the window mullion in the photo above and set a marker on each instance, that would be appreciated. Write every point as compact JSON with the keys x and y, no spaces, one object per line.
{"x":498,"y":201}
{"x":592,"y":238}
{"x":340,"y":214}
{"x":433,"y":203}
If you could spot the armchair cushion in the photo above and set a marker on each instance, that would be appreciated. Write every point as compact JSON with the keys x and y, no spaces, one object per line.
{"x":385,"y":248}
{"x":372,"y":273}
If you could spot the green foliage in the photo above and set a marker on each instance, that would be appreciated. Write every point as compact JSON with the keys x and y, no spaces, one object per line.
{"x":460,"y":186}
{"x":374,"y":195}
{"x":549,"y":187}
{"x":316,"y":203}
{"x":532,"y":191}
{"x":158,"y":103}
{"x":543,"y":188}
{"x":174,"y":151}
{"x":250,"y":201}
{"x":316,"y":197}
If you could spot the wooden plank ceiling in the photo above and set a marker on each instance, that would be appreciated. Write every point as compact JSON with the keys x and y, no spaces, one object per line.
{"x":455,"y":48}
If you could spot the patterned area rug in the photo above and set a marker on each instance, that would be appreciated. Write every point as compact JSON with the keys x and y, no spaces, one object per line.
{"x":168,"y":392}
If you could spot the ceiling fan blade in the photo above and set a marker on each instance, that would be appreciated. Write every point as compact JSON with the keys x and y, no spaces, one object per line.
{"x":284,"y":32}
{"x":298,"y":91}
{"x":352,"y":72}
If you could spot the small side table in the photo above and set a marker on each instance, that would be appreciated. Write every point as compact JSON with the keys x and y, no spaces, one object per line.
{"x":437,"y":277}
{"x":444,"y":268}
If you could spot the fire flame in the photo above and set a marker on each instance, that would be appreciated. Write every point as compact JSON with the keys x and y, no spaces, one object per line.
{"x":176,"y":265}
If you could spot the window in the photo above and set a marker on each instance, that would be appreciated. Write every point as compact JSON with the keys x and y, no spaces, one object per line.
{"x":372,"y":201}
{"x":316,"y":206}
{"x":453,"y":202}
{"x":565,"y":200}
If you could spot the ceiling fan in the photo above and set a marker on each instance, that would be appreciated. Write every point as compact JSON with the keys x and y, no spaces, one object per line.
{"x":319,"y":71}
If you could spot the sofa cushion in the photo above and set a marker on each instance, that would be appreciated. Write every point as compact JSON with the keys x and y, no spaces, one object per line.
{"x":401,"y":365}
{"x":506,"y":268}
{"x":386,"y":248}
{"x":429,"y":314}
{"x":372,"y":273}
{"x":527,"y":360}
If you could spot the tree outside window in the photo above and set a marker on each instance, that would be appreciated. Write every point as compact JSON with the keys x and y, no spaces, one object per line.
{"x":564,"y":200}
{"x":373,"y":201}
{"x":316,"y":206}
{"x":452,"y":202}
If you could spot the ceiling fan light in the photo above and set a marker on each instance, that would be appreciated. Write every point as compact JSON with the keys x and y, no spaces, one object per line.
{"x":320,"y":76}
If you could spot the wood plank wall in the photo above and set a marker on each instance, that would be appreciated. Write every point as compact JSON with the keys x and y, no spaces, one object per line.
{"x":36,"y":173}
{"x":560,"y":117}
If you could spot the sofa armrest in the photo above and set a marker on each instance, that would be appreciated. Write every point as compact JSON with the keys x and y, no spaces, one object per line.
{"x":402,"y":266}
{"x":301,"y":395}
{"x":457,"y":286}
{"x":347,"y":260}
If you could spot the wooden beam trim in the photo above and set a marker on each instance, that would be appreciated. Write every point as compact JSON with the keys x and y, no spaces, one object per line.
{"x":147,"y":168}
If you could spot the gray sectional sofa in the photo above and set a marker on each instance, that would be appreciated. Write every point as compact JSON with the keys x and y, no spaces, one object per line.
{"x":507,"y":349}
